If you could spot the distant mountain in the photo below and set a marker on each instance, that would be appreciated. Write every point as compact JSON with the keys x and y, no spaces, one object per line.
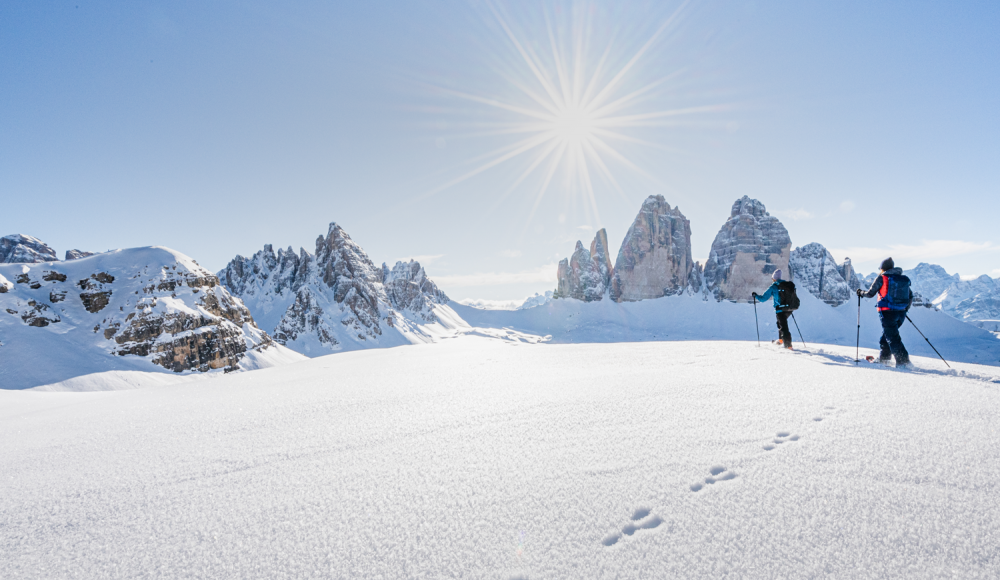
{"x":336,"y":299}
{"x":148,"y":309}
{"x":812,"y":267}
{"x":21,"y":249}
{"x":975,"y":301}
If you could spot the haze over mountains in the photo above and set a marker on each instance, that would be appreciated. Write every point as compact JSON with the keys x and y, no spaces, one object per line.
{"x":153,"y":309}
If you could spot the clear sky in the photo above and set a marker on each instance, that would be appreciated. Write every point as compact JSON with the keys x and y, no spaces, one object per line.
{"x":217,"y":127}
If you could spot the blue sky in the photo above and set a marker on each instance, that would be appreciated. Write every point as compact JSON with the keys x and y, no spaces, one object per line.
{"x":216,"y":127}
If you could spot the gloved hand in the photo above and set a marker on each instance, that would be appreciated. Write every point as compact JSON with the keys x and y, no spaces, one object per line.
{"x":754,"y":294}
{"x":860,"y":292}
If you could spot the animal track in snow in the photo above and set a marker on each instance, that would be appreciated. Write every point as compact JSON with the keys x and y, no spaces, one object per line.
{"x":640,"y":520}
{"x":780,"y":437}
{"x":827,"y":411}
{"x":718,"y":473}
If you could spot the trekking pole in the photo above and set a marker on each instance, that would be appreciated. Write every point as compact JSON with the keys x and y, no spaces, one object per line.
{"x":797,"y":328}
{"x":857,"y":347}
{"x":755,"y":323}
{"x":928,"y":341}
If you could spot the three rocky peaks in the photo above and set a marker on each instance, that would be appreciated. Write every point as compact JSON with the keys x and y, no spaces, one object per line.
{"x":655,"y":259}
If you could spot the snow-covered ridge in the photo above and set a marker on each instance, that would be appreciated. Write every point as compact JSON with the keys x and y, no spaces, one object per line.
{"x":976,"y":301}
{"x":149,"y":309}
{"x":337,"y":299}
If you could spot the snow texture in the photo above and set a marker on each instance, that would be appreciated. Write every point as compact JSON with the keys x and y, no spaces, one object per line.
{"x":701,"y":317}
{"x":143,"y":309}
{"x":21,"y":249}
{"x":481,"y":459}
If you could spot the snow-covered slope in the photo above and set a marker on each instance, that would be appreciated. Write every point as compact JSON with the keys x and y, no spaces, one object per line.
{"x":477,"y":459}
{"x":701,"y":317}
{"x":337,"y":299}
{"x":142,"y":309}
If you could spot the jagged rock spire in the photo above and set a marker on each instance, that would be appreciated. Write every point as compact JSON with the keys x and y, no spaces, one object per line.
{"x":655,"y":256}
{"x":813,"y":268}
{"x":751,"y":245}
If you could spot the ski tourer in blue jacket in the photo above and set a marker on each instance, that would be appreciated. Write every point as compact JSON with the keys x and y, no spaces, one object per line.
{"x":784,"y":333}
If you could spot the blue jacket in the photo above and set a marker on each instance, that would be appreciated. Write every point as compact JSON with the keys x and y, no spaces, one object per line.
{"x":772,"y":293}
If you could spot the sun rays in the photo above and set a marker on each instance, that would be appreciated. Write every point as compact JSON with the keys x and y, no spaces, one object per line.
{"x":570,"y":108}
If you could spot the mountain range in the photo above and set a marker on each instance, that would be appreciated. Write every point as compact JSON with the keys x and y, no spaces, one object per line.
{"x":154,"y":309}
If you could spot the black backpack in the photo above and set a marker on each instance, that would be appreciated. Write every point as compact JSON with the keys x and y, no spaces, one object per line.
{"x":787,"y":297}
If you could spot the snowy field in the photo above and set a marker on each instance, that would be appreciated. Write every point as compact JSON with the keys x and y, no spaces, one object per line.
{"x":476,"y":458}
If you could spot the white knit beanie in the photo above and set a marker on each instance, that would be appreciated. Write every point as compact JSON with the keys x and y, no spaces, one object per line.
{"x":777,"y":275}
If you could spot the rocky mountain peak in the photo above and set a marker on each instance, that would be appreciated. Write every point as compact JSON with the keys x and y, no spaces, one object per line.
{"x":334,"y":300}
{"x":150,"y":303}
{"x":602,"y":256}
{"x":749,"y":247}
{"x":77,"y":254}
{"x":408,"y":288}
{"x":580,"y":277}
{"x":22,"y":249}
{"x":847,"y":272}
{"x":748,"y":206}
{"x":813,"y":268}
{"x":655,"y":256}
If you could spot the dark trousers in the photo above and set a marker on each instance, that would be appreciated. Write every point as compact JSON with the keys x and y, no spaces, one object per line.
{"x":891,"y":343}
{"x":783,"y":332}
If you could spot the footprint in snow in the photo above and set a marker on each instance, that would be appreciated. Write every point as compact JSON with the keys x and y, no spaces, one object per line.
{"x":779,"y":438}
{"x":718,"y":473}
{"x":641,"y":519}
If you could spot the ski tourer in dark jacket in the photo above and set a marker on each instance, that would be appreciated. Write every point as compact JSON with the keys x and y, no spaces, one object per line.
{"x":894,"y":300}
{"x":784,"y":334}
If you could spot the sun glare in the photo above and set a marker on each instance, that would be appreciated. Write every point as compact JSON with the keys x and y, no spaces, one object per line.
{"x":571,"y":106}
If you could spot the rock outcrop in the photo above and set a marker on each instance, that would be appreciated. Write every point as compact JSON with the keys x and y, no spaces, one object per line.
{"x":849,"y":275}
{"x":655,"y":257}
{"x":21,"y":249}
{"x":408,"y":288}
{"x":813,"y":268}
{"x":149,"y":303}
{"x":579,"y":277}
{"x":77,"y":254}
{"x":751,"y":245}
{"x":334,"y":300}
{"x":601,"y":256}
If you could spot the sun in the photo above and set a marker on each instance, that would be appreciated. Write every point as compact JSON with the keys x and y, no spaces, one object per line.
{"x":572,"y":111}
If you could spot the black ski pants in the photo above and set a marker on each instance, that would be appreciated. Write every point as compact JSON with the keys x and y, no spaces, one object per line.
{"x":783,"y":332}
{"x":891,"y":343}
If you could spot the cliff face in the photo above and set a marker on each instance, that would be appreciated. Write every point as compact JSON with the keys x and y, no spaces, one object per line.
{"x":335,"y":299}
{"x":149,"y":303}
{"x":21,"y":249}
{"x":813,"y":268}
{"x":409,"y":289}
{"x":580,"y":277}
{"x":751,"y":245}
{"x":655,"y":256}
